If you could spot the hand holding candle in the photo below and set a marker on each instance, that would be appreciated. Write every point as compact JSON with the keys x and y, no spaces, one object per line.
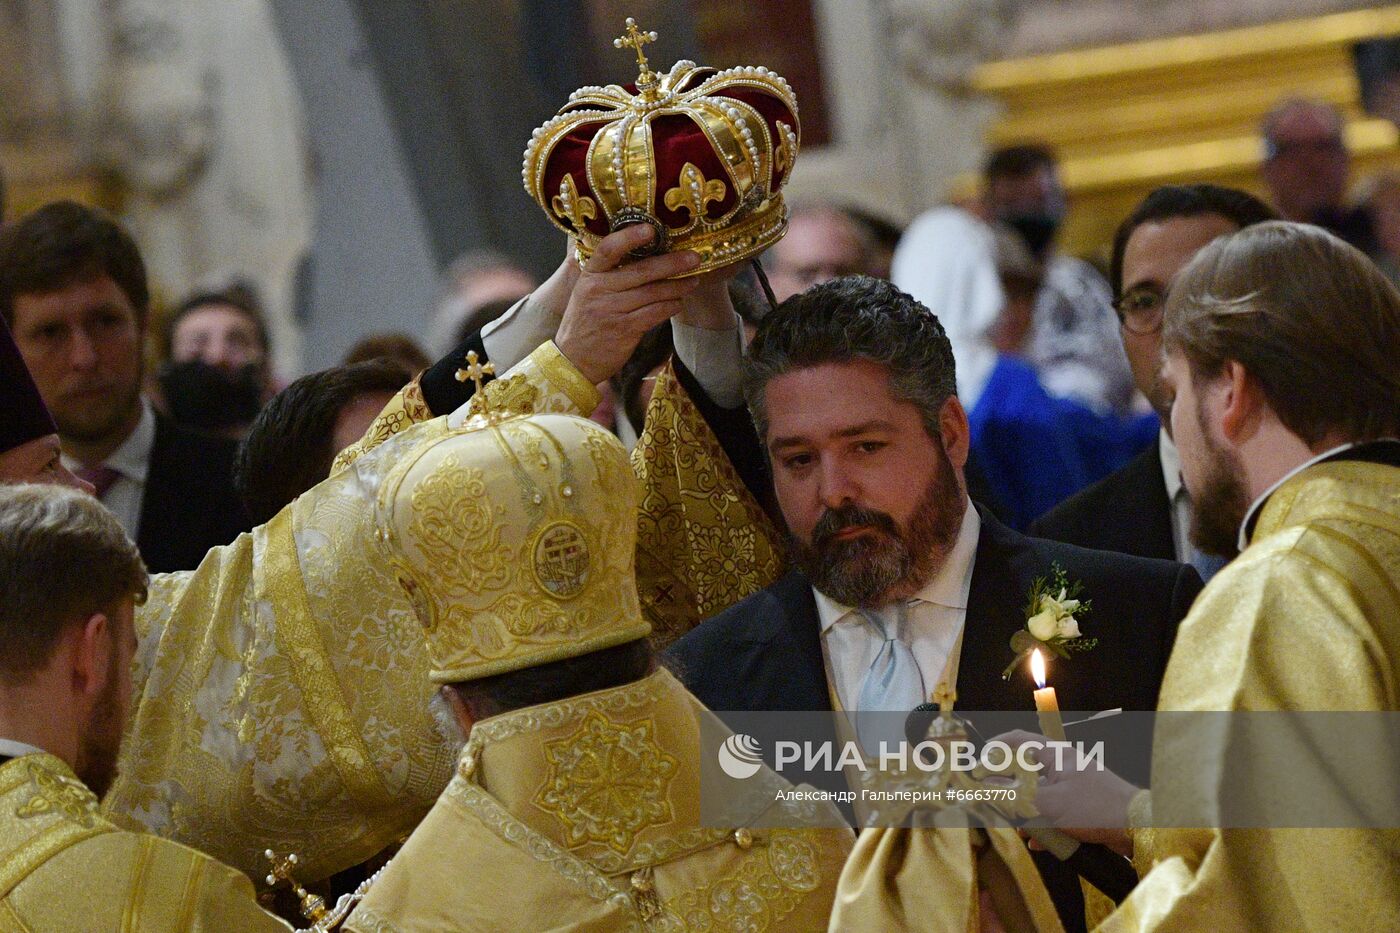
{"x":1047,"y":707}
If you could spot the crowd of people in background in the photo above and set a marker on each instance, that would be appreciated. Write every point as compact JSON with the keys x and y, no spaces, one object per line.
{"x":1056,"y":404}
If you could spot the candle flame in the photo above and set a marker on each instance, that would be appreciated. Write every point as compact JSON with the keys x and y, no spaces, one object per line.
{"x":1038,"y":668}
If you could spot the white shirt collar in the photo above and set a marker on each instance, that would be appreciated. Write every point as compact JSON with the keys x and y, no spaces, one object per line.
{"x":133,"y":458}
{"x":1258,"y":503}
{"x":949,"y":587}
{"x":1171,"y":463}
{"x":15,"y":749}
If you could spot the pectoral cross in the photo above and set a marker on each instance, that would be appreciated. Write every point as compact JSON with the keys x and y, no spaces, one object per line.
{"x":635,"y":39}
{"x":944,"y":696}
{"x":313,"y":907}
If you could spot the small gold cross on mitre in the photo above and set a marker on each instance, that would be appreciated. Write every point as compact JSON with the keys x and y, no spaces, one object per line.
{"x":475,"y":371}
{"x":635,"y":39}
{"x":482,"y":412}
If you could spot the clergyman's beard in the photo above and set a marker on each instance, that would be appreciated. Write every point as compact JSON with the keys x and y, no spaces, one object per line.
{"x":1219,"y":506}
{"x":868,"y":570}
{"x":101,"y":744}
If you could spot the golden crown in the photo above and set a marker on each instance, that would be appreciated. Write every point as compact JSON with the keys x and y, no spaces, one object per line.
{"x":515,"y":540}
{"x":698,"y":154}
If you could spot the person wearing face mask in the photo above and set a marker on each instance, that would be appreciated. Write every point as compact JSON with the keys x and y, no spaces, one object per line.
{"x":217,"y":375}
{"x":1072,"y":342}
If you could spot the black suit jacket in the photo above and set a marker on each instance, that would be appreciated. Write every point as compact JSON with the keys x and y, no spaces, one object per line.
{"x":764,"y":653}
{"x":189,"y":505}
{"x":1127,"y":511}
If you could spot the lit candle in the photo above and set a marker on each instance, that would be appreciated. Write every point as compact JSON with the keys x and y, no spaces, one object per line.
{"x":1047,"y":707}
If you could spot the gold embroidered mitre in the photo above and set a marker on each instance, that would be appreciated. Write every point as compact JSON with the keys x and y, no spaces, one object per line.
{"x":698,"y":154}
{"x":514,"y":539}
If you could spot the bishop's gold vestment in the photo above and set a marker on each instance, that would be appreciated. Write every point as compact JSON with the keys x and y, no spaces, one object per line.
{"x":64,"y":868}
{"x":280,"y":689}
{"x":584,"y":814}
{"x":281,"y":697}
{"x":1306,"y":618}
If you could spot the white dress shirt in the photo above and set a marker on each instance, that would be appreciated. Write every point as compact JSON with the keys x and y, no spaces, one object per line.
{"x":132,"y":460}
{"x":515,"y":335}
{"x":937,"y":614}
{"x":9,"y":748}
{"x":713,"y":357}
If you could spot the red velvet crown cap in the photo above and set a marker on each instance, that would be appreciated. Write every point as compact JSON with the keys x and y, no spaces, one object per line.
{"x":699,"y":154}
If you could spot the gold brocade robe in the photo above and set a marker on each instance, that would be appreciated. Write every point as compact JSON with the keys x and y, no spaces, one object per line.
{"x":928,"y":880}
{"x":280,"y":689}
{"x":281,"y":695}
{"x":585,"y":815}
{"x":64,"y":868}
{"x":703,"y":541}
{"x":1306,"y":618}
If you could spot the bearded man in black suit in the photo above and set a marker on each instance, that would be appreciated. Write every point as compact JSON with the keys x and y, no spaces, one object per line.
{"x":901,"y":582}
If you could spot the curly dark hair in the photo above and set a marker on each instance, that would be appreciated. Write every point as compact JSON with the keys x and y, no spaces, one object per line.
{"x":854,"y":318}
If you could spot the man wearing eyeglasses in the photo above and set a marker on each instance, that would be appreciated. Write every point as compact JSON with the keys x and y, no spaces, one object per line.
{"x":1307,"y":166}
{"x":1143,"y":508}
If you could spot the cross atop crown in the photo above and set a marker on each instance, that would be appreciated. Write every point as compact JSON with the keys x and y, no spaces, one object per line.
{"x":635,"y":39}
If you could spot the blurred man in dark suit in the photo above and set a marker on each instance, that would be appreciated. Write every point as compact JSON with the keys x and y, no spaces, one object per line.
{"x":73,"y":290}
{"x":1143,"y":508}
{"x":1307,"y":168}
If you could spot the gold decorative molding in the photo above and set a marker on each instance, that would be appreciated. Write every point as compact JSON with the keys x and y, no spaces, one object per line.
{"x":1286,"y":38}
{"x":1127,"y":118}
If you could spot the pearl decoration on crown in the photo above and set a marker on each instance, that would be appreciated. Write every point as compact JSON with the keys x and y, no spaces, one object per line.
{"x":751,"y":133}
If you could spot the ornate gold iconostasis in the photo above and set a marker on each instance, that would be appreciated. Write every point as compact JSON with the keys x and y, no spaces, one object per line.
{"x":1127,"y":118}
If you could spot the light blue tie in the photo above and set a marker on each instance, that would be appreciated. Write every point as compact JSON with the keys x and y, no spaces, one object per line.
{"x":1207,"y":565}
{"x":893,"y":684}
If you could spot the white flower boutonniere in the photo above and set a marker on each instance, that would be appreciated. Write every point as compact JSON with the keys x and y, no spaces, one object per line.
{"x":1053,"y":609}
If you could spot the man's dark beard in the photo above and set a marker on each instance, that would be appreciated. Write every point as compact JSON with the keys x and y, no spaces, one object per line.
{"x":865,"y":571}
{"x":1219,"y":506}
{"x":102,"y":740}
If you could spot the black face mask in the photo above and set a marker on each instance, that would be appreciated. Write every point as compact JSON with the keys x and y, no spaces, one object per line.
{"x":208,"y":398}
{"x":1037,"y":228}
